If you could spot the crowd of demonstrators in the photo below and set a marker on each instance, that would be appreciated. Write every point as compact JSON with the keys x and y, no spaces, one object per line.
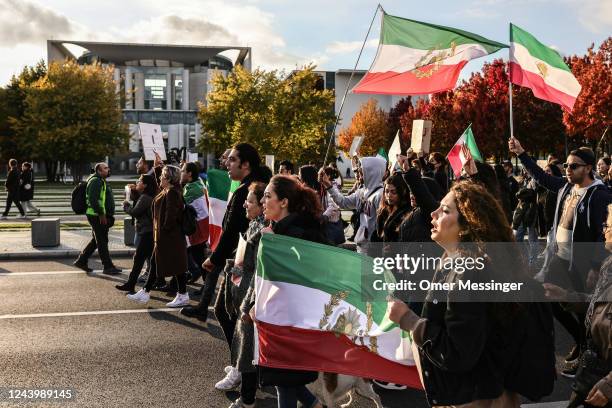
{"x":101,"y":217}
{"x":194,"y":193}
{"x":580,"y":213}
{"x":12,"y":190}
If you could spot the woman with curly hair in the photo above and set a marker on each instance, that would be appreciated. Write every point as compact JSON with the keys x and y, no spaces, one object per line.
{"x":461,"y":348}
{"x":393,"y":207}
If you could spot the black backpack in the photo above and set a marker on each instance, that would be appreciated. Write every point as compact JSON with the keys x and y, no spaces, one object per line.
{"x":189,"y":224}
{"x":532,"y":373}
{"x":78,"y":200}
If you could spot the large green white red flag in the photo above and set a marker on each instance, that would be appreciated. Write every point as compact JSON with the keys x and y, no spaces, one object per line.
{"x":316,"y":311}
{"x":219,"y":189}
{"x":542,"y":69}
{"x":421,"y":58}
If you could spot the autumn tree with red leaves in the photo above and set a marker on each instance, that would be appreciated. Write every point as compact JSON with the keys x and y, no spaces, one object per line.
{"x":372,"y":123}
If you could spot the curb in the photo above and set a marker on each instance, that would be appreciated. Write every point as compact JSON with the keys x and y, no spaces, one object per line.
{"x":55,"y":254}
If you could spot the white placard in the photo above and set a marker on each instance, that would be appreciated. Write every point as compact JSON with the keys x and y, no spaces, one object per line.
{"x":395,"y":150}
{"x":152,"y":140}
{"x":421,"y":136}
{"x":270,"y":161}
{"x":357,"y":141}
{"x":192,"y":157}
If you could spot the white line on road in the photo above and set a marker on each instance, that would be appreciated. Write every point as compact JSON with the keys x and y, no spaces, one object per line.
{"x":92,"y":313}
{"x":67,"y":272}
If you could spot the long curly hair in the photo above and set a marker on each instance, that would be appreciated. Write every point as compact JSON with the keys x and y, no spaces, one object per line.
{"x":303,"y":200}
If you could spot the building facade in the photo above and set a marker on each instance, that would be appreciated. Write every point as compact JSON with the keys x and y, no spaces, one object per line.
{"x":160,"y":84}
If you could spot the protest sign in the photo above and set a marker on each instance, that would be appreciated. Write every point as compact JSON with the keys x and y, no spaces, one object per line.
{"x":152,"y":140}
{"x":421,"y":136}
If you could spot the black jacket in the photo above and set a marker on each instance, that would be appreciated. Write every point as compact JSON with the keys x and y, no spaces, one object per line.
{"x":416,"y":226}
{"x":234,"y":223}
{"x":591,"y":213}
{"x":12,"y":181}
{"x":526,"y":212}
{"x":26,"y":179}
{"x":387,"y":225}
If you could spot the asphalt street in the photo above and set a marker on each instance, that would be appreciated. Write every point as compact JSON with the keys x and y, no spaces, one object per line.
{"x":61,"y":328}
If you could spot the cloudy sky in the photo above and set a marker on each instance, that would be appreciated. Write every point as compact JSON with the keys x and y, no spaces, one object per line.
{"x":285,"y":34}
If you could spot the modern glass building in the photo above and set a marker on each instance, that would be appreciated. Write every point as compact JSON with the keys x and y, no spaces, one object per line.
{"x":160,"y":84}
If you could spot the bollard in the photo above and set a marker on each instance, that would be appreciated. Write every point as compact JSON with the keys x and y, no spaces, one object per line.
{"x":129,"y":231}
{"x":45,"y":232}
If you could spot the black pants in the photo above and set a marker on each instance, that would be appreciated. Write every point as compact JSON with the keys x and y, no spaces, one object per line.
{"x":195,"y":259}
{"x":180,"y":279}
{"x":248,"y":387}
{"x":227,"y":323}
{"x":99,"y":241}
{"x":10,"y":199}
{"x":143,"y":252}
{"x":208,"y":290}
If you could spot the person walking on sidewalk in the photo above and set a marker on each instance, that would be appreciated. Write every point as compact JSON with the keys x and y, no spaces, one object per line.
{"x":170,"y":246}
{"x":26,"y":188}
{"x":12,"y":190}
{"x":142,"y":211}
{"x":100,"y":215}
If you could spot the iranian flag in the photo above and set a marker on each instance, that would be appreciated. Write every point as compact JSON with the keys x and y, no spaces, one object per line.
{"x":542,"y":69}
{"x":220,"y":188}
{"x":457,"y":156}
{"x":421,"y":58}
{"x":313,"y":313}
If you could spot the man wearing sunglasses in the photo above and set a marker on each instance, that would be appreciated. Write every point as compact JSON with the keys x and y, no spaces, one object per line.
{"x":576,"y":240}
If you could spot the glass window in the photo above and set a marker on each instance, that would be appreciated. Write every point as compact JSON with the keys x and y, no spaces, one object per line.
{"x":155,"y":91}
{"x":178,"y":93}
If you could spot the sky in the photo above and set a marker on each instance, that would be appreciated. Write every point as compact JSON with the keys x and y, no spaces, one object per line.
{"x":287,"y":34}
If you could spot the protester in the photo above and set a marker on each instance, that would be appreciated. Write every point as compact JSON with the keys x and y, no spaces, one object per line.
{"x":26,"y":189}
{"x":504,"y":190}
{"x":603,"y":167}
{"x":579,"y":215}
{"x":142,"y":212}
{"x":240,"y":297}
{"x":435,"y":167}
{"x":295,"y":211}
{"x":589,"y":387}
{"x":194,"y":193}
{"x":285,"y":168}
{"x":460,"y":351}
{"x":393,"y":207}
{"x":548,"y":199}
{"x":101,"y":217}
{"x":513,"y":185}
{"x":525,"y":217}
{"x":170,"y":248}
{"x":12,"y":190}
{"x":365,"y":200}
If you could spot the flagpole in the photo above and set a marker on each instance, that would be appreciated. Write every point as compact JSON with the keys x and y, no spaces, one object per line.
{"x":510,"y":87}
{"x":333,"y":132}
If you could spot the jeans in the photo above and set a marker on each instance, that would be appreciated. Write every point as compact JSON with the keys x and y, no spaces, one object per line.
{"x":289,"y":396}
{"x":227,"y":323}
{"x":532,"y":234}
{"x":99,"y":241}
{"x":248,"y":387}
{"x":208,"y":290}
{"x":143,"y":253}
{"x":10,"y":199}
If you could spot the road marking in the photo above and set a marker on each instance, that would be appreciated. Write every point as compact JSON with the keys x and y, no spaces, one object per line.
{"x":67,"y":272}
{"x":92,"y":313}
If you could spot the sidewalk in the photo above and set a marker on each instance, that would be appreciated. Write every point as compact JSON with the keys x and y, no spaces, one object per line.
{"x":18,"y":245}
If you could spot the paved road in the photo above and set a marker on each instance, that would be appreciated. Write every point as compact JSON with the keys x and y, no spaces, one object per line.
{"x":125,"y":355}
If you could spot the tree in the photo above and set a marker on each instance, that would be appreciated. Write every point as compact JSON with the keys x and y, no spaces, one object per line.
{"x":396,"y":113}
{"x":72,"y":114}
{"x":12,"y":105}
{"x":593,"y":108}
{"x":372,"y":123}
{"x":286,"y":117}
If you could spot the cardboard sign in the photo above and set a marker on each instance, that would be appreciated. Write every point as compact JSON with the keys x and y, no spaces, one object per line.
{"x":152,"y":140}
{"x":270,"y":161}
{"x":192,"y":157}
{"x":357,"y":141}
{"x":421,"y":136}
{"x":394,"y":151}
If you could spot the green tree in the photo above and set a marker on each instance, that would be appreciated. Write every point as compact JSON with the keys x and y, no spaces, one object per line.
{"x":72,"y":114}
{"x":286,"y":117}
{"x":12,"y":105}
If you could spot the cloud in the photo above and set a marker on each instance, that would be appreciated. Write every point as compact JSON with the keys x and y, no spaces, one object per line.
{"x":346,"y":47}
{"x":595,"y":15}
{"x":23,"y":22}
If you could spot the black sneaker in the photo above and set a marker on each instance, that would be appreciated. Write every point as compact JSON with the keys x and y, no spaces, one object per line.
{"x":82,"y":265}
{"x":193,"y":312}
{"x":570,"y":369}
{"x":113,"y":270}
{"x":126,"y":288}
{"x":573,"y":354}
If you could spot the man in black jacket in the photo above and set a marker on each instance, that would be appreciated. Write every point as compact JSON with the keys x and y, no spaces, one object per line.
{"x":12,"y":190}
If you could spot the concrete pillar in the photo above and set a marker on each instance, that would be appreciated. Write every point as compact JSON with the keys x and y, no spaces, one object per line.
{"x":181,"y":132}
{"x":185,"y":102}
{"x":198,"y":132}
{"x":169,"y":91}
{"x":140,"y":91}
{"x":173,"y":136}
{"x":129,"y":96}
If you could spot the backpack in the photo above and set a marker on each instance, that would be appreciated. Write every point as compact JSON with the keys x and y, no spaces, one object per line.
{"x":189,"y":224}
{"x":532,"y":373}
{"x":78,"y":200}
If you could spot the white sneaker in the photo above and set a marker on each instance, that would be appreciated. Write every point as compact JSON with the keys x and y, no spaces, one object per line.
{"x":231,"y":381}
{"x":142,"y":296}
{"x":22,"y":217}
{"x":179,"y":301}
{"x":227,"y":369}
{"x":239,"y":404}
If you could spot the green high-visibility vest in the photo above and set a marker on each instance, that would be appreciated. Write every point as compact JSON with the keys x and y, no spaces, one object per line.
{"x":101,"y":199}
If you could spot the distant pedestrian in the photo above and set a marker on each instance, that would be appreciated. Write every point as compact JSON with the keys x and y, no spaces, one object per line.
{"x":26,"y":188}
{"x":100,"y":215}
{"x":12,"y":190}
{"x":285,"y":168}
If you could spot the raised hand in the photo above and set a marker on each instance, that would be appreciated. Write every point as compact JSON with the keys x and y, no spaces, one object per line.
{"x":515,"y":146}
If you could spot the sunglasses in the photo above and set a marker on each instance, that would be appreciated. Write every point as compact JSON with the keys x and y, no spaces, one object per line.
{"x":573,"y":166}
